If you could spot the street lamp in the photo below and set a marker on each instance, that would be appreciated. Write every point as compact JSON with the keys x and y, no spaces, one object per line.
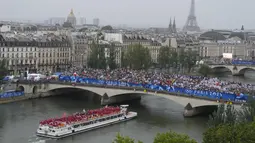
{"x":16,"y":62}
{"x":82,"y":60}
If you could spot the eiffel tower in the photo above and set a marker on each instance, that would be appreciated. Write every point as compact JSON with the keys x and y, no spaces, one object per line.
{"x":191,"y":24}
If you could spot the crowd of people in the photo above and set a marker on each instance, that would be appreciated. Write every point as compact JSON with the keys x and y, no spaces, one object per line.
{"x":160,"y":78}
{"x":78,"y":117}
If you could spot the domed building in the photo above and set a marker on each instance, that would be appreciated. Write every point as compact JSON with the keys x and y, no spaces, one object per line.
{"x":71,"y":18}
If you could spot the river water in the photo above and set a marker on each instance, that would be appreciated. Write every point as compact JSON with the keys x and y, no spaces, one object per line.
{"x":249,"y":77}
{"x":19,"y":120}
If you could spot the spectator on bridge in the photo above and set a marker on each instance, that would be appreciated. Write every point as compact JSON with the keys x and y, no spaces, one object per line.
{"x":160,"y":78}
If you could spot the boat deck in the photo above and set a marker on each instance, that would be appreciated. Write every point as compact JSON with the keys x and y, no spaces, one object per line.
{"x":129,"y":116}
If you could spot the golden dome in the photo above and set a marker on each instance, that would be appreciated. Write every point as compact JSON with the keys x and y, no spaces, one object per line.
{"x":71,"y":14}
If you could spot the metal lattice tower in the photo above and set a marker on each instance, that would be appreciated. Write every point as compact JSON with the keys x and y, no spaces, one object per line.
{"x":191,"y":24}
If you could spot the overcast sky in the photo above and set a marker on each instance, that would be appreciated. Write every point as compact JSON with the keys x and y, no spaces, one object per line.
{"x":216,"y":14}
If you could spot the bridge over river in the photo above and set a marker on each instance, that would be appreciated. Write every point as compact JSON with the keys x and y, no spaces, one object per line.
{"x":115,"y":94}
{"x":236,"y":70}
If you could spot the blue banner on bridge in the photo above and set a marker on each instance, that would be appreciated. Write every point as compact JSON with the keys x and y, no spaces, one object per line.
{"x":243,"y":62}
{"x":170,"y":89}
{"x":11,"y":94}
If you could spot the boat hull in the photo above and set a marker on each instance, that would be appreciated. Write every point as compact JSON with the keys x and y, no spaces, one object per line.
{"x":129,"y":117}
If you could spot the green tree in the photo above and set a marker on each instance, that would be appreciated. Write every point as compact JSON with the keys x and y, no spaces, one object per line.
{"x":93,"y":57}
{"x":247,"y":113}
{"x":97,"y":58}
{"x":173,"y":60}
{"x":172,"y":137}
{"x":224,"y":115}
{"x":121,"y":139}
{"x":190,"y":59}
{"x":107,"y":27}
{"x":181,"y":57}
{"x":123,"y":60}
{"x":138,"y":57}
{"x":164,"y":57}
{"x":3,"y":68}
{"x":204,"y":70}
{"x":102,"y":60}
{"x":230,"y":133}
{"x":111,"y":62}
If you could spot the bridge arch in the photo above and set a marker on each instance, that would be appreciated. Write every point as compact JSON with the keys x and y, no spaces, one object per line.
{"x":112,"y":94}
{"x":189,"y":110}
{"x":21,"y":88}
{"x":65,"y":89}
{"x":222,"y":68}
{"x":242,"y":71}
{"x":35,"y":89}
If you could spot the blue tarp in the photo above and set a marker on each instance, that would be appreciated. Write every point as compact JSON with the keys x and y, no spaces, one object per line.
{"x":11,"y":94}
{"x":6,"y":78}
{"x":243,"y":62}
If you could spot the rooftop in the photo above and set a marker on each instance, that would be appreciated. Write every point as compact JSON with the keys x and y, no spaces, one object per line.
{"x":22,"y":37}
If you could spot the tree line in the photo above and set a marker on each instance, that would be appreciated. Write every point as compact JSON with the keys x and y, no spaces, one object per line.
{"x":177,"y":58}
{"x":226,"y":125}
{"x":135,"y":57}
{"x":138,"y":57}
{"x":3,"y":68}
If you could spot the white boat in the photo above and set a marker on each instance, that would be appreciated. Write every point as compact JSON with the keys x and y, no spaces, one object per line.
{"x":81,"y":122}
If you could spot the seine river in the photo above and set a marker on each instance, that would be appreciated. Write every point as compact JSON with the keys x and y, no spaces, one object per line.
{"x":249,"y":77}
{"x":19,"y":120}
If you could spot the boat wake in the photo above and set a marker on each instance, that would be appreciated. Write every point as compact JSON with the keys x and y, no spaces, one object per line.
{"x":36,"y":139}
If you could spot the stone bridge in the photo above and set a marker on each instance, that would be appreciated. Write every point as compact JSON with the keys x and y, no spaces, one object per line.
{"x":109,"y":95}
{"x":234,"y":69}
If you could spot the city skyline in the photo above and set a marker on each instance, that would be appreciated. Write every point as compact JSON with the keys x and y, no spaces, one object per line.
{"x":229,"y":13}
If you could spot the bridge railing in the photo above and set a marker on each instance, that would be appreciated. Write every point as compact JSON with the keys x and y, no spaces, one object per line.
{"x":211,"y":95}
{"x":236,"y":62}
{"x":243,"y":62}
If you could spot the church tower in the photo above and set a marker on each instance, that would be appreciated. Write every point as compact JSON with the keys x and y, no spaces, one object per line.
{"x":174,"y":27}
{"x":170,"y":27}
